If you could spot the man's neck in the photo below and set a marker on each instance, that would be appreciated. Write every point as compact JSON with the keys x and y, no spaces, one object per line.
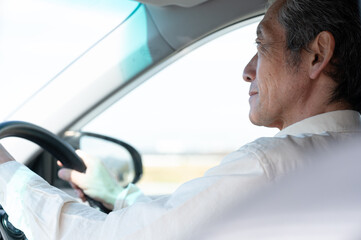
{"x":313,"y":111}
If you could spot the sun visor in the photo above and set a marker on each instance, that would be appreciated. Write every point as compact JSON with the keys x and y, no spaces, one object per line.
{"x":181,"y":3}
{"x":181,"y":26}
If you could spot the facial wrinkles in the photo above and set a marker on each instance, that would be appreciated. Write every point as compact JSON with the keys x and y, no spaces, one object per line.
{"x":260,"y":84}
{"x":271,"y":80}
{"x":270,"y":92}
{"x":270,"y":56}
{"x":269,"y":40}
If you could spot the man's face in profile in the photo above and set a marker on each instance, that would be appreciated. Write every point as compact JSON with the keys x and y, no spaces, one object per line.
{"x":277,"y":88}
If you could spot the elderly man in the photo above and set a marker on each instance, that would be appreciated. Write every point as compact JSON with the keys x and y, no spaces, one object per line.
{"x":305,"y":80}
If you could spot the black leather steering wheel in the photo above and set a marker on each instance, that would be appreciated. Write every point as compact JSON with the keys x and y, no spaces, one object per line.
{"x":57,"y":147}
{"x":60,"y":149}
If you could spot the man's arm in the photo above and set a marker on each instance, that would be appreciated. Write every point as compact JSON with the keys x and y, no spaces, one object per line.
{"x":44,"y":212}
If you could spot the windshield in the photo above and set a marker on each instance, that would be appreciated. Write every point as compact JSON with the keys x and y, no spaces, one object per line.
{"x":39,"y":38}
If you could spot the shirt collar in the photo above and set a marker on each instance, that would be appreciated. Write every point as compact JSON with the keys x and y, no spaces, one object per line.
{"x":337,"y":121}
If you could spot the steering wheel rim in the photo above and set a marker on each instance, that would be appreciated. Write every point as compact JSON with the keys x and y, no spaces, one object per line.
{"x":50,"y":142}
{"x":57,"y":147}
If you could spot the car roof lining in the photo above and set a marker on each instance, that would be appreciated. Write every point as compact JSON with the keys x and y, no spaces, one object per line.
{"x":173,"y":22}
{"x":181,"y":3}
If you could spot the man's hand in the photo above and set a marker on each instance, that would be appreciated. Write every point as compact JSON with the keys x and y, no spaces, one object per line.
{"x":4,"y":155}
{"x":96,"y":182}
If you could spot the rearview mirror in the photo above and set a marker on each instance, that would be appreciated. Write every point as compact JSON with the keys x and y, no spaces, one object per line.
{"x":121,"y":159}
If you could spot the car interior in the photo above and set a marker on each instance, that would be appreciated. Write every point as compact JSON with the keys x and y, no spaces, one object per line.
{"x":152,"y":35}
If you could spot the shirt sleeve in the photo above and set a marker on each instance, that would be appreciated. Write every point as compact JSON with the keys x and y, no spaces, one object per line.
{"x":130,"y":195}
{"x":40,"y":210}
{"x":46,"y":213}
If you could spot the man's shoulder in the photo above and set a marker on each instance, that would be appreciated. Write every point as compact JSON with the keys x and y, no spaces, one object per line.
{"x":279,"y":155}
{"x":300,"y":141}
{"x":276,"y":156}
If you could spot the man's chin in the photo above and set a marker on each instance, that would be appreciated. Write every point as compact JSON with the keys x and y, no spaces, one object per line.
{"x":264,"y":122}
{"x":254,"y":119}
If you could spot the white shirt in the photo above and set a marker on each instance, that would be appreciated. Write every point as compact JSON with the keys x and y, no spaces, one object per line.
{"x":44,"y":212}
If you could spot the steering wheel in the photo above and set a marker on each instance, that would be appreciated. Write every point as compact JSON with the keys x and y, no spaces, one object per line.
{"x":57,"y":147}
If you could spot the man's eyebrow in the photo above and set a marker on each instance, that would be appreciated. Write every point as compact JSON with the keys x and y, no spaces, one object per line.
{"x":259,"y":30}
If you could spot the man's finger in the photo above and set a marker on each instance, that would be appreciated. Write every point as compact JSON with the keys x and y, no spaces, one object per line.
{"x":80,"y":194}
{"x":72,"y":176}
{"x":85,"y":157}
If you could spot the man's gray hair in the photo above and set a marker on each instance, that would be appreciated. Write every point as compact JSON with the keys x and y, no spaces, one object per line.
{"x":303,"y":20}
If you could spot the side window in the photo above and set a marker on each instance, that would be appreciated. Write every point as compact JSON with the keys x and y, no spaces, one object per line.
{"x":191,"y":114}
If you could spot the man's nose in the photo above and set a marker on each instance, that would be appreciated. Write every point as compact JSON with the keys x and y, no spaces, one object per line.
{"x":249,"y":72}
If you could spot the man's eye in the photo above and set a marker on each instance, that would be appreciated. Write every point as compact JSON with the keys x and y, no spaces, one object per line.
{"x":260,"y":46}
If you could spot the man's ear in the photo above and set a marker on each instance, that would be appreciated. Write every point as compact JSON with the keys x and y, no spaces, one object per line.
{"x":322,"y":49}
